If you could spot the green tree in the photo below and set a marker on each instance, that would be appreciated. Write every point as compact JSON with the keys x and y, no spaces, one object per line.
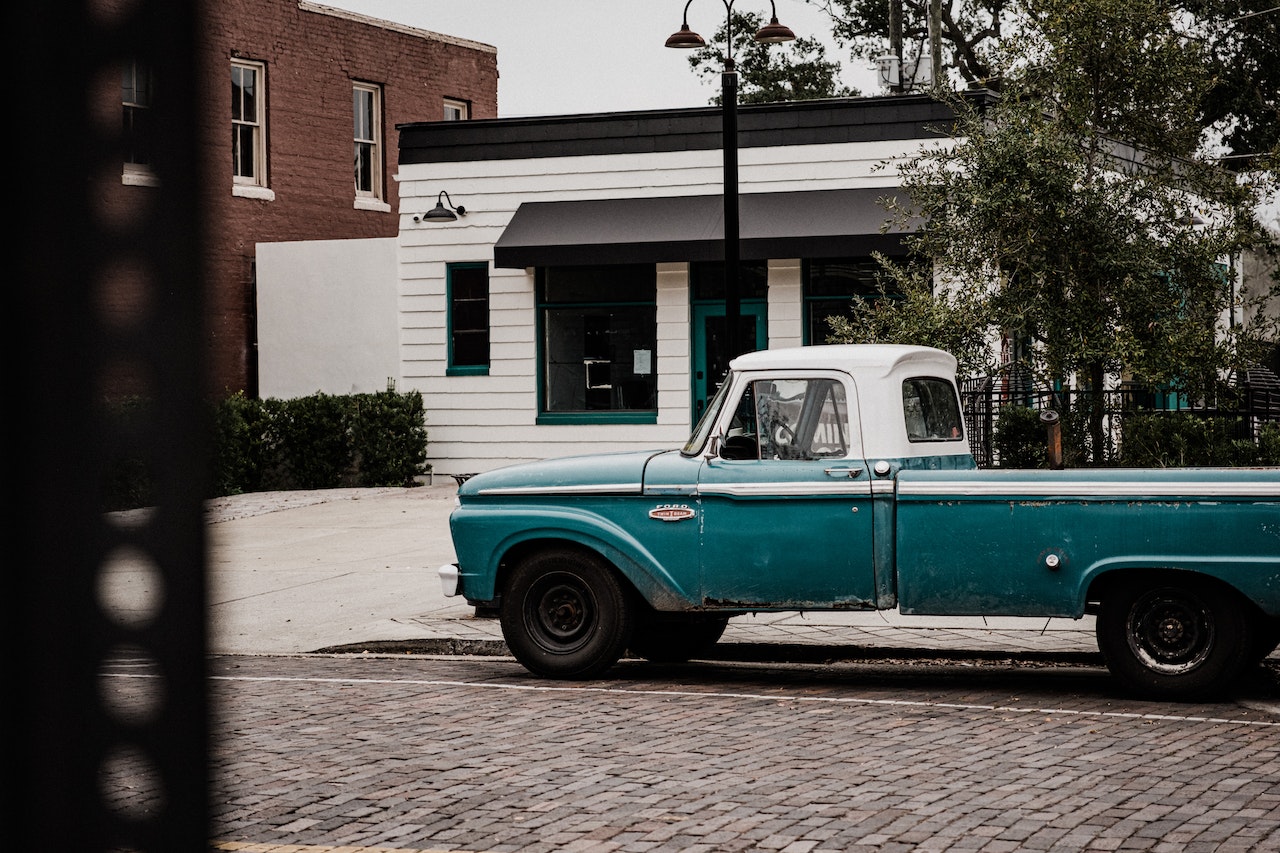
{"x":1241,"y":38}
{"x":1105,"y":254}
{"x":792,"y":71}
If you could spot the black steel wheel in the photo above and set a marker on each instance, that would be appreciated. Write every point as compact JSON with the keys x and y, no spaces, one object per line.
{"x":566,"y":614}
{"x":1175,"y":638}
{"x":676,"y":639}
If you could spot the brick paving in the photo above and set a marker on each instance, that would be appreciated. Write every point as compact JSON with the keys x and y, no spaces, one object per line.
{"x":363,"y":753}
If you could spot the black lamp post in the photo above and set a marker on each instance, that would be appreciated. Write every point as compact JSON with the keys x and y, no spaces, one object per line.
{"x":771,"y":33}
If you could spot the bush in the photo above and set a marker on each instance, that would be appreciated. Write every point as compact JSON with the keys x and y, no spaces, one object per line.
{"x":390,"y":438}
{"x":1180,"y":440}
{"x":243,"y":452}
{"x":313,"y":435}
{"x":316,"y":442}
{"x":1269,"y":445}
{"x":1020,"y":440}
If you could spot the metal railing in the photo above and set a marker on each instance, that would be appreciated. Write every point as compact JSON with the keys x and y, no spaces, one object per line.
{"x":1252,"y":404}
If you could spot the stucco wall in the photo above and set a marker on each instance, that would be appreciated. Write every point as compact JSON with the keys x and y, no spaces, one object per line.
{"x":327,"y":317}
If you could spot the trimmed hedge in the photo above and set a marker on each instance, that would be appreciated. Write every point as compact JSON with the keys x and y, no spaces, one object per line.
{"x":316,"y":442}
{"x":319,"y":442}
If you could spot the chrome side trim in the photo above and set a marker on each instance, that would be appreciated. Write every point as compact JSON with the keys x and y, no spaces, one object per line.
{"x":754,"y":490}
{"x":882,"y":487}
{"x":597,"y":489}
{"x":1103,"y":489}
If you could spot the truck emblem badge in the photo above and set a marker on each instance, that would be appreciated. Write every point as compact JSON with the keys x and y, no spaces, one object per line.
{"x":672,"y":512}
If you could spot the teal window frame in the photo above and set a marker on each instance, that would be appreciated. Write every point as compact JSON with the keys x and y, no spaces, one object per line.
{"x":590,"y":416}
{"x":451,"y":328}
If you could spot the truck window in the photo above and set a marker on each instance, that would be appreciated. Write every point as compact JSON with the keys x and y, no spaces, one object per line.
{"x":702,"y":431}
{"x":790,"y":419}
{"x":931,"y":410}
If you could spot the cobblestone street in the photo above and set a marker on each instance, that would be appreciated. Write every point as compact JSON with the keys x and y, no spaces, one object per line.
{"x":364,"y":753}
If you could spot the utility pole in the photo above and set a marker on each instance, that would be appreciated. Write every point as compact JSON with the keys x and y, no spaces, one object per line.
{"x":895,"y":40}
{"x":935,"y":41}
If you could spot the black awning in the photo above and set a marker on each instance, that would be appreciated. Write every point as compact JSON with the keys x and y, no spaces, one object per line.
{"x":814,"y":224}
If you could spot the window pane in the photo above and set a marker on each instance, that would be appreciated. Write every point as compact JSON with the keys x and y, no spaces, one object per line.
{"x":600,"y":358}
{"x":364,"y":167}
{"x":242,"y":137}
{"x":800,"y":418}
{"x":931,"y":409}
{"x":362,"y":110}
{"x":706,"y":279}
{"x":620,"y":283}
{"x":469,"y":316}
{"x":846,"y":277}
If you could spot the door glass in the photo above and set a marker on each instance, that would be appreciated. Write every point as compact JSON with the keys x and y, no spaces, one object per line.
{"x":794,"y":419}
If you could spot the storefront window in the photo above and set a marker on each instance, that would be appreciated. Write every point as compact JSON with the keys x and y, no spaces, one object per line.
{"x":598,"y":335}
{"x":830,"y":286}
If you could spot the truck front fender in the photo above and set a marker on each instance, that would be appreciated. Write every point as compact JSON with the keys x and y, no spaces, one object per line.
{"x":484,"y":538}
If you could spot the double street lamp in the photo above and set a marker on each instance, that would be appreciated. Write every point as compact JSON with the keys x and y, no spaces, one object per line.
{"x":771,"y":33}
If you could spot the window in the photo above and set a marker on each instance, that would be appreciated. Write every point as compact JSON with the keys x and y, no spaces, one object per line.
{"x":789,"y":419}
{"x":830,"y":286}
{"x":248,"y":123}
{"x":456,"y":110}
{"x":706,"y":280}
{"x":136,"y":93}
{"x":598,"y":335}
{"x":931,"y":410}
{"x":367,"y":112}
{"x":468,"y":286}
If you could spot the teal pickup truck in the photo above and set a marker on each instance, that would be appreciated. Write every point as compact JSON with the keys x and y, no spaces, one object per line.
{"x":840,"y":478}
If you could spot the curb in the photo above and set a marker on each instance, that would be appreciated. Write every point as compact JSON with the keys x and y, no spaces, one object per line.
{"x":745,"y":652}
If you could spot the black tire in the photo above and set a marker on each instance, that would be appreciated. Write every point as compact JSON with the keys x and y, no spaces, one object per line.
{"x":1175,"y":638}
{"x":566,"y":614}
{"x":676,"y":639}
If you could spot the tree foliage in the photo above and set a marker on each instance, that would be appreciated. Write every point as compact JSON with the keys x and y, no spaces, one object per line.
{"x":1106,"y":255}
{"x":1241,"y":39}
{"x":971,"y":30}
{"x":792,"y":71}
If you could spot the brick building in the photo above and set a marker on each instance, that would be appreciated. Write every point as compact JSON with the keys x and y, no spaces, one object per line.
{"x":310,"y":97}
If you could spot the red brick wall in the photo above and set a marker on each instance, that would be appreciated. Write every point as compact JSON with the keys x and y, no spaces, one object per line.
{"x":311,"y":61}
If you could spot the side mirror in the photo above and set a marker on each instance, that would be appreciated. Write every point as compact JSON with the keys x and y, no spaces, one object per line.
{"x":713,"y":447}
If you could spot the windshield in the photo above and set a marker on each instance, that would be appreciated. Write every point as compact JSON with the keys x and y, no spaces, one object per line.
{"x":703,"y":428}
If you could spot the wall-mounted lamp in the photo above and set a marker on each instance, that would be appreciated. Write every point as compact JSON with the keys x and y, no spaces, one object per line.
{"x":441,"y":212}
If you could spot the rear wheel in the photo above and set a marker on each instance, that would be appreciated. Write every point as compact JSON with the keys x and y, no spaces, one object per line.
{"x":676,"y":639}
{"x":566,"y":614}
{"x":1175,"y":638}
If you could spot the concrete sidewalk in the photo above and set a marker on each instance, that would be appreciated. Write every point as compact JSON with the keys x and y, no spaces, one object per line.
{"x":298,"y":572}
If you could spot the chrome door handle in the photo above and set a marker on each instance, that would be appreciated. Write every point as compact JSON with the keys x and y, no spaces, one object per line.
{"x":851,"y":473}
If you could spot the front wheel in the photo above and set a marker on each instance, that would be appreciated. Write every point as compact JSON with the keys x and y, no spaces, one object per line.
{"x":1174,"y":639}
{"x":565,"y":614}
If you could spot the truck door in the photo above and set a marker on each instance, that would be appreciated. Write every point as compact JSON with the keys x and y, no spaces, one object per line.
{"x":787,"y":502}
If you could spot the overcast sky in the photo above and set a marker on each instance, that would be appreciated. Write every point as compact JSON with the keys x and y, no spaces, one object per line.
{"x":586,"y":56}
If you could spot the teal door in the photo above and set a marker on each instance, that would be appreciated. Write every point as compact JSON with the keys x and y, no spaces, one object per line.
{"x":786,"y":506}
{"x":710,"y":359}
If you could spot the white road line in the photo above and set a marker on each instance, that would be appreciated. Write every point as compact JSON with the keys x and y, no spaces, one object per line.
{"x":758,"y":697}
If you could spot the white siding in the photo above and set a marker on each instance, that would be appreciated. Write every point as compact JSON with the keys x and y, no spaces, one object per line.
{"x":476,"y":423}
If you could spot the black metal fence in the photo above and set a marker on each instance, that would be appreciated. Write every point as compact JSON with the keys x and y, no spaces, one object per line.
{"x":1254,"y":402}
